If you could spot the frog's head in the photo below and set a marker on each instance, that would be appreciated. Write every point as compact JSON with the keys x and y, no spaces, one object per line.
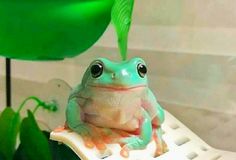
{"x":118,"y":76}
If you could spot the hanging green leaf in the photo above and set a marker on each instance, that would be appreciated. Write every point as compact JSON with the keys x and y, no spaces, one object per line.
{"x":33,"y":141}
{"x":9,"y":127}
{"x":121,"y":17}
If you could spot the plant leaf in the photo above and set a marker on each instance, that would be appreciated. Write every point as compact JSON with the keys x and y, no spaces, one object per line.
{"x":59,"y":151}
{"x":9,"y":127}
{"x":2,"y":157}
{"x":34,"y":143}
{"x":20,"y":154}
{"x":121,"y":16}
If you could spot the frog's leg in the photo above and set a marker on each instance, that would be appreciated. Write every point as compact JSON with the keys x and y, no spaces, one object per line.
{"x":74,"y":121}
{"x":138,"y":142}
{"x":161,"y":146}
{"x":74,"y":118}
{"x":155,"y":109}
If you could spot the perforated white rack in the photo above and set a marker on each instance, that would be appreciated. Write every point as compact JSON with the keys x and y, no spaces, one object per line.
{"x":183,"y":144}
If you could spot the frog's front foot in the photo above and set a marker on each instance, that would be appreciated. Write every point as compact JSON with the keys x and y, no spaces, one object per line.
{"x":93,"y":137}
{"x":86,"y":133}
{"x":132,"y":143}
{"x":82,"y":129}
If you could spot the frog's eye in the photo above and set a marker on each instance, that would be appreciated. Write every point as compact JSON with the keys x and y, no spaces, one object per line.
{"x":142,"y":70}
{"x":96,"y":69}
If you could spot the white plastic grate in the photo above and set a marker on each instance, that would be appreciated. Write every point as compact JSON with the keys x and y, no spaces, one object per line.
{"x":183,"y":144}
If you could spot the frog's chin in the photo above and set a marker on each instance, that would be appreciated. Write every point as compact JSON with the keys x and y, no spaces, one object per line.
{"x":117,"y":87}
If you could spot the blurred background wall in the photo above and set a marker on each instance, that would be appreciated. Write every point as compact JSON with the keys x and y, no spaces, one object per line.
{"x":190,"y":48}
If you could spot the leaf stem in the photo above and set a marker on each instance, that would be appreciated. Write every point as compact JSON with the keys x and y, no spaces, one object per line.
{"x":36,"y":108}
{"x":26,"y":100}
{"x":50,"y":106}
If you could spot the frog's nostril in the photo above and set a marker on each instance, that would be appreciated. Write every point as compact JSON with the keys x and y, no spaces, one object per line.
{"x":113,"y":75}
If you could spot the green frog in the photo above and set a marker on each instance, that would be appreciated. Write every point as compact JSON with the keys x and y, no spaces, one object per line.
{"x":116,"y":96}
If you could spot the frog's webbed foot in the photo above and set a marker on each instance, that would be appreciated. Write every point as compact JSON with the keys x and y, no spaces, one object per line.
{"x":132,"y":143}
{"x":161,"y":146}
{"x":94,"y":137}
{"x":82,"y":129}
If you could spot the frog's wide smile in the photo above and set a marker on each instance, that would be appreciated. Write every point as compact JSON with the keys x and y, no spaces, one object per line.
{"x":117,"y":88}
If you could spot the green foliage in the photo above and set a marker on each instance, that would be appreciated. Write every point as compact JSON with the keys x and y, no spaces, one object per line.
{"x":121,"y":17}
{"x":9,"y":127}
{"x":51,"y":29}
{"x":58,"y":151}
{"x":34,"y":143}
{"x":2,"y":157}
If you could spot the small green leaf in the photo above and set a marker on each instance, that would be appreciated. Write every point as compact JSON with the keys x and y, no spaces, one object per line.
{"x":9,"y":127}
{"x":33,"y":141}
{"x":121,"y":16}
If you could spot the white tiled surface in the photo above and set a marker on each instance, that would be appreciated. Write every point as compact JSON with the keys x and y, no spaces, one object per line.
{"x":208,"y":125}
{"x":183,"y":145}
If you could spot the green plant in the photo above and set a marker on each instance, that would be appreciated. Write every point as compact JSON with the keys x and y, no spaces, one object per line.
{"x":34,"y":144}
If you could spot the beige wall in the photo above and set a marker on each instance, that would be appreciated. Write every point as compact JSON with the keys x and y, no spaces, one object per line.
{"x":2,"y":84}
{"x":196,"y":26}
{"x":194,"y":13}
{"x":189,"y":45}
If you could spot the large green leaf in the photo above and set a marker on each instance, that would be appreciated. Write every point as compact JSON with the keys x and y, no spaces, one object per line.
{"x":51,"y":29}
{"x":59,"y":151}
{"x":20,"y":154}
{"x":9,"y":127}
{"x":2,"y":157}
{"x":121,"y":17}
{"x":34,"y":142}
{"x":62,"y":152}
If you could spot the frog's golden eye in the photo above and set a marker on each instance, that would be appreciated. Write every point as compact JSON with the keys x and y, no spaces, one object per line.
{"x":142,"y":70}
{"x":96,"y":69}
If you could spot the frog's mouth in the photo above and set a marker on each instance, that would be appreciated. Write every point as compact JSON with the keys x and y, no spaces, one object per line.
{"x":118,"y":88}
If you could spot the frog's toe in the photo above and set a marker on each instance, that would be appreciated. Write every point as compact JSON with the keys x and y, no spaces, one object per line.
{"x":59,"y":129}
{"x":161,"y":148}
{"x":100,"y":145}
{"x":124,"y":152}
{"x":165,"y":147}
{"x":88,"y":141}
{"x":83,"y":130}
{"x":131,"y":143}
{"x":110,"y":137}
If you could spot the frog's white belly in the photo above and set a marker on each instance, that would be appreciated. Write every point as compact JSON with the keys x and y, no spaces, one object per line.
{"x":114,"y":109}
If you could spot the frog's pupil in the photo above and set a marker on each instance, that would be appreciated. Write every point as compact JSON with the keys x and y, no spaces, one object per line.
{"x":142,"y":70}
{"x":96,"y":70}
